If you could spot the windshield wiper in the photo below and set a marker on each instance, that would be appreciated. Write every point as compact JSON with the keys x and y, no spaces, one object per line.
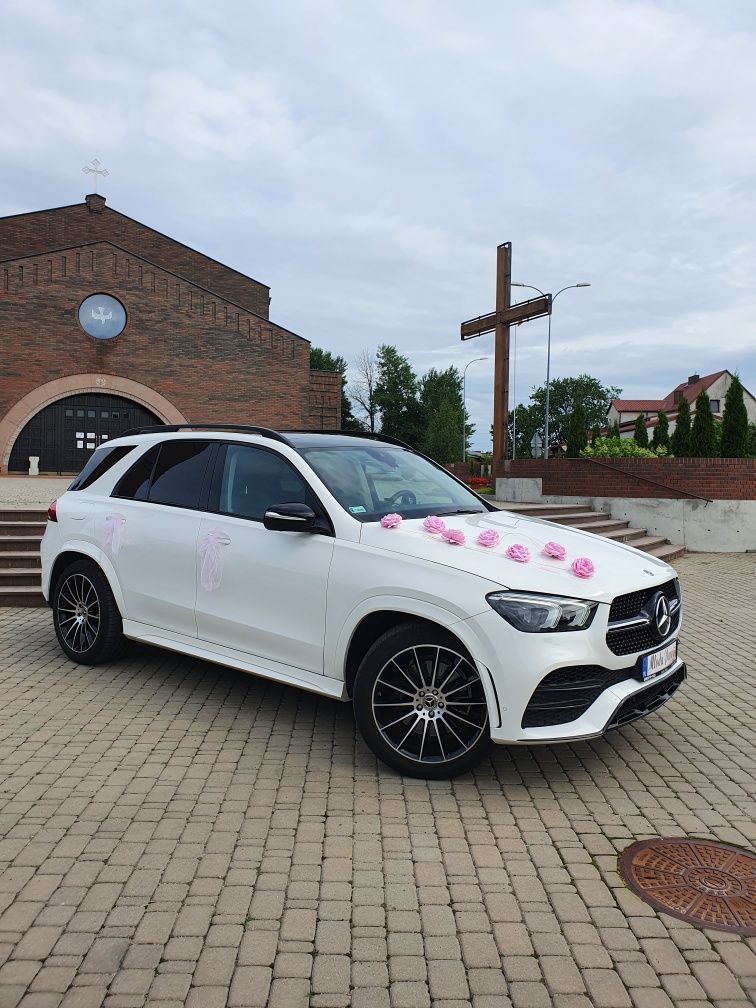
{"x":462,"y":511}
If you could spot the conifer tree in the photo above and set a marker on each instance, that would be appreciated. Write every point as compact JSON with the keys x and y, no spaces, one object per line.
{"x":577,"y":439}
{"x":679,"y":443}
{"x":640,"y":434}
{"x":703,"y":442}
{"x":660,"y":438}
{"x":595,"y":433}
{"x":734,"y":423}
{"x":614,"y":430}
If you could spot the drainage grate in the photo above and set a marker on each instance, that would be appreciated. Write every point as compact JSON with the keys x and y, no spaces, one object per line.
{"x":710,"y":885}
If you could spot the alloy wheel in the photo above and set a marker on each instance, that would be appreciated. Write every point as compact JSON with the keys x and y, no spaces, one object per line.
{"x":428,"y":704}
{"x":78,"y":611}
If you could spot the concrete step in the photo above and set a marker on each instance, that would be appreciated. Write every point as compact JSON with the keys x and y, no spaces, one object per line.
{"x":648,"y":542}
{"x":577,"y":518}
{"x":539,"y":510}
{"x":20,"y":544}
{"x":17,"y":577}
{"x":667,"y":551}
{"x":21,"y":597}
{"x":601,"y":527}
{"x":14,"y":528}
{"x":19,"y":558}
{"x":23,"y":514}
{"x":624,"y":534}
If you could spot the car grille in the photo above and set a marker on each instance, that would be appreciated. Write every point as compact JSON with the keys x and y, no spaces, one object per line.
{"x":641,"y":636}
{"x":647,"y":700}
{"x":566,"y":693}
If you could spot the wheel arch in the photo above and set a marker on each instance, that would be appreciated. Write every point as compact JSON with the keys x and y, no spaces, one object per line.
{"x":85,"y":552}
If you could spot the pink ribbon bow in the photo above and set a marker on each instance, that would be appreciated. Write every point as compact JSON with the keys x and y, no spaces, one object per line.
{"x":518,"y":553}
{"x":582,"y":567}
{"x":391,"y":521}
{"x":211,"y":560}
{"x":489,"y":538}
{"x":434,"y":525}
{"x":114,"y":533}
{"x":454,"y":537}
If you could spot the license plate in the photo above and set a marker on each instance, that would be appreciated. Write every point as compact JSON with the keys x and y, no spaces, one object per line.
{"x":659,"y":661}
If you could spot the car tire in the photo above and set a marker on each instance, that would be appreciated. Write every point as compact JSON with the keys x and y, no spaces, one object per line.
{"x":87,"y":622}
{"x":419,"y":678}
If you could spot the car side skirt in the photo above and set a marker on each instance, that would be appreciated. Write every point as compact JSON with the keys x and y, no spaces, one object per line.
{"x":239,"y":660}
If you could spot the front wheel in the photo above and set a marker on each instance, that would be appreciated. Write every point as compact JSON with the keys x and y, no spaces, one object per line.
{"x":87,"y":621}
{"x":419,"y":703}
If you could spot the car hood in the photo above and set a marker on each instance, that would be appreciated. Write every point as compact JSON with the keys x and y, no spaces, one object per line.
{"x":618,"y":568}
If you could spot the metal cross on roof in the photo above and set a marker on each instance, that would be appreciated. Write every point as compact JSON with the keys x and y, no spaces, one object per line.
{"x":95,"y":168}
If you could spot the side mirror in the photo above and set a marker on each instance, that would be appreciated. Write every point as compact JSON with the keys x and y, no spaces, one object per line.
{"x":292,"y":517}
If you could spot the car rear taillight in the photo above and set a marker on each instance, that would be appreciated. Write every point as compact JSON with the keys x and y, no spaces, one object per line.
{"x":52,"y":512}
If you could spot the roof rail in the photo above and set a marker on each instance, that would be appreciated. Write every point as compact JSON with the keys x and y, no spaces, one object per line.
{"x":243,"y":428}
{"x":368,"y":435}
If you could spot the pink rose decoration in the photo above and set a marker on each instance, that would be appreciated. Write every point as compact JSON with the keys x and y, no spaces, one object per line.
{"x":582,"y":567}
{"x":454,"y":537}
{"x":391,"y":521}
{"x":555,"y":550}
{"x":489,"y":538}
{"x":434,"y":525}
{"x":519,"y":553}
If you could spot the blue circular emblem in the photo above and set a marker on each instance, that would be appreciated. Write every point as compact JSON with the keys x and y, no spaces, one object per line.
{"x":102,"y":316}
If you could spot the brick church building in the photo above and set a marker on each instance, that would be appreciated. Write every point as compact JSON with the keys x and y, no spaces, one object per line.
{"x":107,"y":324}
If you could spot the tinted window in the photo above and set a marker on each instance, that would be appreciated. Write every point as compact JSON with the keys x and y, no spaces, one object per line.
{"x":102,"y":460}
{"x":135,"y":483}
{"x":180,"y":472}
{"x":252,"y":480}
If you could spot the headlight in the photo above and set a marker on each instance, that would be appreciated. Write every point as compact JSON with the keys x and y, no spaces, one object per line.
{"x":542,"y":613}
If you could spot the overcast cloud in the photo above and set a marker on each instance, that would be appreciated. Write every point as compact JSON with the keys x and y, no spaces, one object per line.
{"x":365,"y":161}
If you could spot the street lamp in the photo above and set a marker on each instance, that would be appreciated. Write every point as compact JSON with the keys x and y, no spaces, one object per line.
{"x":464,"y":413}
{"x":548,"y":353}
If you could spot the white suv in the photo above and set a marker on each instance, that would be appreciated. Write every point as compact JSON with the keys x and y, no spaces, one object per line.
{"x":356,"y":568}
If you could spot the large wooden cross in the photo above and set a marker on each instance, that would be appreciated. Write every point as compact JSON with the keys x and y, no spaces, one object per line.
{"x":498,"y":322}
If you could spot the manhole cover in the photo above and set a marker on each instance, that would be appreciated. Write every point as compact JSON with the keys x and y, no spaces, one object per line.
{"x":708,"y":884}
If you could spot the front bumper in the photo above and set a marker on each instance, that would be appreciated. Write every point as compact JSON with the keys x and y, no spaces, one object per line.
{"x":516,"y":664}
{"x":617,"y":706}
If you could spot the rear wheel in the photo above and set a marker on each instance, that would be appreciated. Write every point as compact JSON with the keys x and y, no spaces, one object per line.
{"x":419,"y":703}
{"x":87,"y":621}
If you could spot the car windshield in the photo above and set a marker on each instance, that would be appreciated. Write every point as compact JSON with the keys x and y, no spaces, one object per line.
{"x":372,"y":480}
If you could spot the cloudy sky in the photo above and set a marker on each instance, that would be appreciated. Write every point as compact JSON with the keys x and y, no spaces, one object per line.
{"x":365,"y":161}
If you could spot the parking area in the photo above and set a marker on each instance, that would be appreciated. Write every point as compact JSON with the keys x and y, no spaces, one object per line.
{"x":175,"y":833}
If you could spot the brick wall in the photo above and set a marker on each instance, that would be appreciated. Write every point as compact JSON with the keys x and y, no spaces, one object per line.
{"x":64,"y":227}
{"x":208,"y":356}
{"x":715,"y":479}
{"x":325,"y":401}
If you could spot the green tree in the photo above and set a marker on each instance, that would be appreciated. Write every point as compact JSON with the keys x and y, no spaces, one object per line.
{"x":529,"y":420}
{"x":441,"y":408}
{"x":660,"y":437}
{"x":324,"y":360}
{"x":640,"y":434}
{"x":702,"y":437}
{"x":734,"y":423}
{"x":752,"y":440}
{"x":679,"y":443}
{"x":613,"y":430}
{"x":442,"y":438}
{"x":396,"y":396}
{"x":563,"y":396}
{"x":577,"y":439}
{"x":595,"y":433}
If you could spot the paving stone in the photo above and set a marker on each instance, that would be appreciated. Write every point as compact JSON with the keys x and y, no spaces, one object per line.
{"x":179,"y":834}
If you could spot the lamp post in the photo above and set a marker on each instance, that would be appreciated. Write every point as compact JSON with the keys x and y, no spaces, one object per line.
{"x":464,"y":412}
{"x":548,"y":354}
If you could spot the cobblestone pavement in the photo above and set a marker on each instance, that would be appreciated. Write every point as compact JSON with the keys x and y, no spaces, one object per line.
{"x":175,"y":833}
{"x":31,"y":491}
